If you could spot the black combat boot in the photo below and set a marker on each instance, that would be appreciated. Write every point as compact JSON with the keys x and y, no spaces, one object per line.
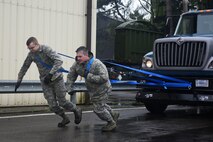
{"x":78,"y":115}
{"x":64,"y":122}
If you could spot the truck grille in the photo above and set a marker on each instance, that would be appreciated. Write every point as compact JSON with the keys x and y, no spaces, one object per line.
{"x":188,"y":54}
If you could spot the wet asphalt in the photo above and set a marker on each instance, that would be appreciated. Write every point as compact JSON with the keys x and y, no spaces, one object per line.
{"x":136,"y":124}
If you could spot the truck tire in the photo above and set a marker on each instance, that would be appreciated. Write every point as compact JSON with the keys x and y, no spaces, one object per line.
{"x":155,"y":107}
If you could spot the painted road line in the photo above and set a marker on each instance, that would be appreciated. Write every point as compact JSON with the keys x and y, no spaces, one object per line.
{"x":49,"y":114}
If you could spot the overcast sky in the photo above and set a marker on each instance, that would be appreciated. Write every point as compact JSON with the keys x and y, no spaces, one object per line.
{"x":134,"y":4}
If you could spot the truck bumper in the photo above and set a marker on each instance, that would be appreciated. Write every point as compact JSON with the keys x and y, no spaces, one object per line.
{"x":198,"y":94}
{"x":175,"y":98}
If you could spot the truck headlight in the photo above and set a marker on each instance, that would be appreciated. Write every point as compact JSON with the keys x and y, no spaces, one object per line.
{"x":148,"y":63}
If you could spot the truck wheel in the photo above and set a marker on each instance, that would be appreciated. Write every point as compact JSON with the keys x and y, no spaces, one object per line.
{"x":156,"y":107}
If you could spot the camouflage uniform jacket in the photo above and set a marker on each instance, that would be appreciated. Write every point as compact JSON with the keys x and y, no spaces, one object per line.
{"x":46,"y":55}
{"x":97,"y":81}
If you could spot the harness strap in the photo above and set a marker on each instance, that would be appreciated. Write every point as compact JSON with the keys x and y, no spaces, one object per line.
{"x":38,"y":58}
{"x":89,"y":64}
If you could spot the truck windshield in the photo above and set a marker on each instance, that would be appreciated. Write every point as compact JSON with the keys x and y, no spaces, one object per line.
{"x":195,"y":24}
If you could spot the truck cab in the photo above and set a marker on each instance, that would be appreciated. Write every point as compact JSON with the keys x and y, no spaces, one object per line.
{"x":186,"y":55}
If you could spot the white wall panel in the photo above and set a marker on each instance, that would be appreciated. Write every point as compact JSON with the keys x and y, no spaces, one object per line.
{"x":93,"y":42}
{"x":61,"y":24}
{"x":1,"y":38}
{"x":12,"y":43}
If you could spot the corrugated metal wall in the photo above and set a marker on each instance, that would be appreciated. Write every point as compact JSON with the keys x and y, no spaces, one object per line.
{"x":61,"y":24}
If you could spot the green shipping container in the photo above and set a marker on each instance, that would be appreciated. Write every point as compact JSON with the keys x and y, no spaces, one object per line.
{"x":132,"y":42}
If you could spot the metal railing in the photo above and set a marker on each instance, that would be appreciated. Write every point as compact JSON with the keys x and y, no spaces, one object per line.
{"x":29,"y":86}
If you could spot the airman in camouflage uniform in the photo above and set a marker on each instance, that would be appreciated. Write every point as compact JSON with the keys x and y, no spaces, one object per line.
{"x":48,"y":63}
{"x":97,"y":83}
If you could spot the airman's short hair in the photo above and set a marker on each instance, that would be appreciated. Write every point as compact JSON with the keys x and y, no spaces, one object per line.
{"x":84,"y":49}
{"x":30,"y":40}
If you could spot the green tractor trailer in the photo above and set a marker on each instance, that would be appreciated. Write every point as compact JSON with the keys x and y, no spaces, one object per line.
{"x":132,"y":42}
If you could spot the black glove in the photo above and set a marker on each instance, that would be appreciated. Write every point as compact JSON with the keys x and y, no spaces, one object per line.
{"x":48,"y":78}
{"x":17,"y":85}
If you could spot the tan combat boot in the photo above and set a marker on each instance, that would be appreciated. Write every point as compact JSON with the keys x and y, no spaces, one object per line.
{"x":109,"y":127}
{"x":64,"y":122}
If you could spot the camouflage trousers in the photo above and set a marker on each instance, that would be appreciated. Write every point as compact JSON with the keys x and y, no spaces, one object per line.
{"x":55,"y":93}
{"x":101,"y":109}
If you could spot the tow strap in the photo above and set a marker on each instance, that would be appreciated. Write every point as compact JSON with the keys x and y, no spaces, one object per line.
{"x":149,"y":78}
{"x":38,"y":58}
